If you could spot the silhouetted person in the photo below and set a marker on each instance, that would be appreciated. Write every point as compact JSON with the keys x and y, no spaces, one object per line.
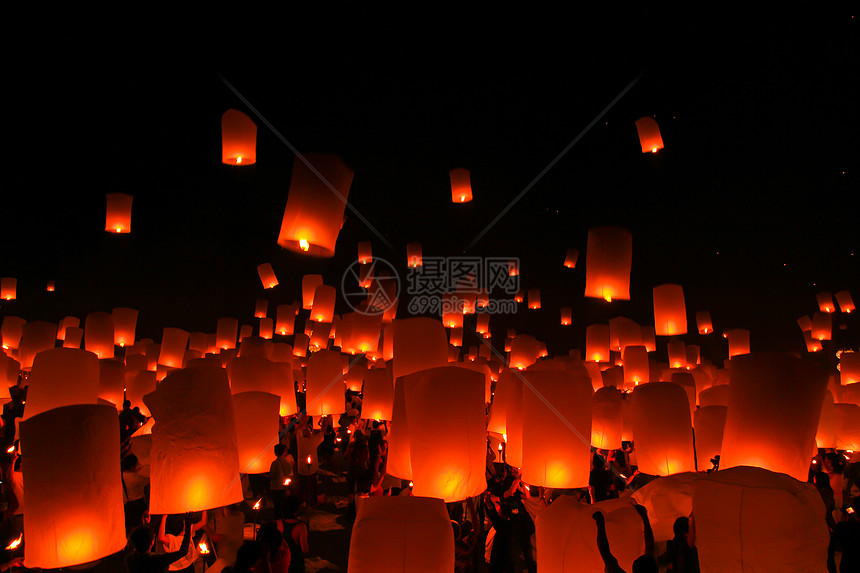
{"x":681,"y":550}
{"x":142,"y":560}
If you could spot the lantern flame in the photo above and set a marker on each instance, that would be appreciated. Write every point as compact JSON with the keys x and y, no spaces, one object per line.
{"x":238,"y":160}
{"x":15,"y":543}
{"x":304,"y":245}
{"x":288,"y":481}
{"x":257,"y":505}
{"x":204,"y":549}
{"x":309,"y":460}
{"x":10,"y":449}
{"x":410,"y":484}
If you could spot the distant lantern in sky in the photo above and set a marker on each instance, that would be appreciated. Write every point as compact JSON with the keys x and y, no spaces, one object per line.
{"x":606,"y":420}
{"x":571,"y":258}
{"x":739,"y":341}
{"x":514,"y":269}
{"x":677,"y":352}
{"x":325,"y":384}
{"x":261,"y":308}
{"x":50,"y":286}
{"x":846,"y":303}
{"x":267,"y":275}
{"x":670,"y":311}
{"x":849,"y":367}
{"x":597,"y":343}
{"x":36,"y":336}
{"x":323,"y":307}
{"x":118,"y":214}
{"x":378,"y":392}
{"x":285,"y":319}
{"x":238,"y":138}
{"x":534,"y":298}
{"x":822,"y":325}
{"x":365,"y":252}
{"x":649,"y":134}
{"x":315,"y":205}
{"x":8,"y":288}
{"x":461,"y":186}
{"x":173,"y":344}
{"x":566,"y":317}
{"x":124,"y":326}
{"x":226,"y":332}
{"x":99,"y":334}
{"x":524,"y":351}
{"x":825,"y":302}
{"x":413,"y":255}
{"x":636,"y":368}
{"x":607,"y":263}
{"x":704,"y":323}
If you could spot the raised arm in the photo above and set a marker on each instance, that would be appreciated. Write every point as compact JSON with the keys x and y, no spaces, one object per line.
{"x":649,"y":534}
{"x":610,"y":563}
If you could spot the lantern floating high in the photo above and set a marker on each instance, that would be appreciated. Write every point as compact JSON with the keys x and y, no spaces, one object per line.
{"x":118,"y":213}
{"x":461,"y":186}
{"x":570,"y":258}
{"x":846,"y":303}
{"x":285,"y":319}
{"x":534,"y":298}
{"x":226,"y":332}
{"x":566,"y":316}
{"x":124,"y":326}
{"x":36,"y":336}
{"x":704,"y":323}
{"x":636,"y":368}
{"x":822,"y":326}
{"x":413,"y":255}
{"x":238,"y":138}
{"x":267,"y":275}
{"x":323,"y":306}
{"x":608,"y":258}
{"x":597,"y":343}
{"x":8,"y":288}
{"x":649,"y":135}
{"x":670,"y":312}
{"x":99,"y":334}
{"x":739,"y":341}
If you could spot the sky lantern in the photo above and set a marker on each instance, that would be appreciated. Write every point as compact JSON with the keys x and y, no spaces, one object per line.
{"x":483,"y":323}
{"x":315,"y":205}
{"x":73,"y":338}
{"x":320,"y":335}
{"x":636,"y":368}
{"x":846,"y":303}
{"x":238,"y":138}
{"x":173,"y":344}
{"x":325,"y":388}
{"x":226,"y":332}
{"x":60,"y":377}
{"x":534,"y":298}
{"x":198,"y":341}
{"x":257,"y":426}
{"x":849,"y":367}
{"x":774,"y":407}
{"x":261,"y":308}
{"x":597,"y":343}
{"x":514,"y":269}
{"x":74,"y":446}
{"x":461,"y":186}
{"x":8,"y":288}
{"x":670,"y":311}
{"x":805,"y":323}
{"x":556,"y":429}
{"x":124,"y":326}
{"x":401,"y":534}
{"x":365,"y":252}
{"x":266,"y":328}
{"x":413,"y":255}
{"x":285,"y":319}
{"x":709,"y":423}
{"x":267,"y":275}
{"x":9,"y":368}
{"x":65,"y":323}
{"x":323,"y":307}
{"x":450,"y":460}
{"x":138,"y":384}
{"x":606,"y":419}
{"x":36,"y":336}
{"x":456,"y":338}
{"x":677,"y":352}
{"x":825,"y":302}
{"x":245,"y":331}
{"x":524,"y":351}
{"x":300,"y":345}
{"x":11,"y":331}
{"x":694,"y":356}
{"x":825,"y":435}
{"x":566,"y":316}
{"x":418,"y":343}
{"x":822,"y":326}
{"x":752,"y":519}
{"x":649,"y":134}
{"x":309,"y":287}
{"x":714,"y":396}
{"x":519,"y":296}
{"x":739,"y":341}
{"x":378,"y":394}
{"x":704,"y":322}
{"x":112,"y":382}
{"x":847,"y":427}
{"x":194,"y":459}
{"x":662,"y":429}
{"x":666,"y":499}
{"x":607,"y":263}
{"x":99,"y":334}
{"x":570,"y":258}
{"x":812,"y":345}
{"x":118,"y":213}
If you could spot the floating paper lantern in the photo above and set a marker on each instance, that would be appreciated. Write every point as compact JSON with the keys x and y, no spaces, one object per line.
{"x":74,"y":446}
{"x":846,"y":303}
{"x":847,"y":427}
{"x":693,"y":355}
{"x":482,"y":325}
{"x":118,"y":213}
{"x":597,"y":343}
{"x":715,"y":396}
{"x":519,"y":296}
{"x":534,"y":298}
{"x":67,"y":322}
{"x":8,"y":288}
{"x":365,"y":252}
{"x":401,"y":535}
{"x":677,"y":352}
{"x":261,"y":308}
{"x":636,"y":368}
{"x":11,"y":331}
{"x":849,"y":367}
{"x":238,"y":138}
{"x":703,"y":322}
{"x":461,"y":186}
{"x":378,"y":394}
{"x":649,"y":134}
{"x":418,"y":344}
{"x":456,"y":338}
{"x":266,"y":328}
{"x":524,"y":351}
{"x":662,"y":429}
{"x":173,"y":343}
{"x":709,"y":423}
{"x":670,"y":312}
{"x":566,"y":316}
{"x":805,"y":323}
{"x":112,"y":382}
{"x":556,"y":429}
{"x":35,"y":337}
{"x":99,"y":334}
{"x":812,"y":345}
{"x":825,"y":302}
{"x":606,"y":419}
{"x":73,"y":338}
{"x":666,"y":499}
{"x":226,"y":332}
{"x":825,"y":435}
{"x":607,"y":263}
{"x":300,"y":345}
{"x":257,"y":426}
{"x":413,"y":255}
{"x":514,"y":269}
{"x":449,"y":461}
{"x":49,"y":286}
{"x":61,"y":377}
{"x":285,"y":319}
{"x":323,"y":306}
{"x":822,"y":326}
{"x":267,"y":275}
{"x":124,"y":326}
{"x":751,"y":519}
{"x":739,"y":341}
{"x":570,"y":258}
{"x":309,"y":287}
{"x":774,"y":407}
{"x":195,"y":461}
{"x":325,"y":388}
{"x":315,"y":205}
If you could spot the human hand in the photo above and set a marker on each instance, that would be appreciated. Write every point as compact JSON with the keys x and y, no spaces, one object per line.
{"x":598,"y":517}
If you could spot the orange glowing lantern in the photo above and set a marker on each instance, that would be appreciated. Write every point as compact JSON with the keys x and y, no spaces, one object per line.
{"x":606,"y":419}
{"x":378,"y":393}
{"x":245,"y":331}
{"x":570,"y":258}
{"x":805,"y":323}
{"x":8,"y":288}
{"x":256,"y":415}
{"x":309,"y":286}
{"x":323,"y":306}
{"x":666,"y":500}
{"x":825,"y":302}
{"x":413,"y":255}
{"x":774,"y":407}
{"x":112,"y":382}
{"x":365,"y":252}
{"x":556,"y":429}
{"x":847,"y":427}
{"x":266,"y":328}
{"x":483,"y":323}
{"x":597,"y":343}
{"x":238,"y":138}
{"x":99,"y":334}
{"x":261,"y":308}
{"x":461,"y":186}
{"x":226,"y":332}
{"x":636,"y":368}
{"x":67,"y":322}
{"x":401,"y":534}
{"x":709,"y":423}
{"x":822,"y":326}
{"x":524,"y":351}
{"x":50,"y":286}
{"x":73,"y":338}
{"x":607,"y":263}
{"x":534,"y":298}
{"x":449,"y":462}
{"x":849,"y":367}
{"x":456,"y":339}
{"x":173,"y":344}
{"x":418,"y":343}
{"x":739,"y":341}
{"x":118,"y":213}
{"x":677,"y":352}
{"x":285,"y":319}
{"x":662,"y":429}
{"x":124,"y":326}
{"x":703,"y":322}
{"x":812,"y":345}
{"x":325,"y":387}
{"x":846,"y":303}
{"x":35,"y":337}
{"x":670,"y":312}
{"x":751,"y":519}
{"x":714,"y":396}
{"x":566,"y":316}
{"x":61,"y":377}
{"x":514,"y":269}
{"x":194,"y":459}
{"x":693,"y":356}
{"x":315,"y":205}
{"x":11,"y":331}
{"x":267,"y":275}
{"x":74,"y":446}
{"x":649,"y":134}
{"x":300,"y":345}
{"x":825,"y":435}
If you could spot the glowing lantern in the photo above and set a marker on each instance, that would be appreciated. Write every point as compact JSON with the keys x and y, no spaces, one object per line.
{"x":624,"y":332}
{"x":266,"y":328}
{"x":418,"y":344}
{"x":413,"y":255}
{"x":812,"y":345}
{"x":401,"y":535}
{"x":693,"y":355}
{"x":607,"y":263}
{"x":703,"y":322}
{"x":714,"y":396}
{"x":597,"y":343}
{"x":456,"y":337}
{"x":514,"y":269}
{"x":570,"y":258}
{"x":519,"y":296}
{"x":245,"y":331}
{"x":825,"y":435}
{"x":825,"y":302}
{"x":73,"y":337}
{"x":449,"y":461}
{"x":194,"y":459}
{"x":666,"y":499}
{"x":285,"y":319}
{"x":173,"y":343}
{"x":99,"y":334}
{"x":805,"y":323}
{"x":267,"y":275}
{"x":226,"y":332}
{"x":606,"y":419}
{"x":483,"y":323}
{"x":261,"y":308}
{"x":323,"y":306}
{"x":67,"y":322}
{"x":822,"y":326}
{"x":61,"y":377}
{"x":74,"y":446}
{"x":300,"y":345}
{"x":649,"y":134}
{"x":709,"y":423}
{"x":257,"y":425}
{"x":11,"y":332}
{"x":124,"y":326}
{"x":534,"y":298}
{"x":670,"y":312}
{"x":50,"y":286}
{"x":118,"y":213}
{"x":739,"y":341}
{"x":482,"y":299}
{"x":677,"y":353}
{"x":325,"y":388}
{"x":774,"y":407}
{"x":846,"y":303}
{"x":378,"y":394}
{"x":636,"y":368}
{"x":35,"y":337}
{"x":315,"y":205}
{"x":751,"y":519}
{"x":524,"y":351}
{"x":309,"y":287}
{"x":238,"y":139}
{"x":847,"y":427}
{"x":8,"y":288}
{"x":662,"y":429}
{"x":649,"y":338}
{"x":849,"y":367}
{"x":556,"y":429}
{"x":112,"y":382}
{"x":365,"y":252}
{"x":461,"y":186}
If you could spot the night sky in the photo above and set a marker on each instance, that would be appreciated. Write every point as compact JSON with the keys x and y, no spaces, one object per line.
{"x":752,"y":206}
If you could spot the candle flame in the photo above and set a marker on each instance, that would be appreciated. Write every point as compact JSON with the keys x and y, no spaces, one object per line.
{"x":10,"y":449}
{"x":257,"y":505}
{"x":410,"y":484}
{"x":309,"y":459}
{"x":204,"y":549}
{"x":15,"y":543}
{"x":607,"y":297}
{"x":288,"y":481}
{"x":304,"y":245}
{"x":238,"y":160}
